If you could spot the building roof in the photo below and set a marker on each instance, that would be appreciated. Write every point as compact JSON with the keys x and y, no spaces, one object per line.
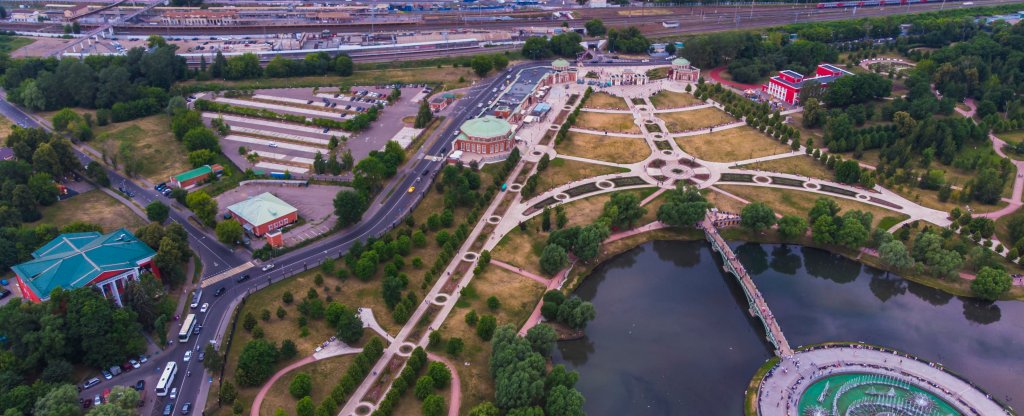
{"x":834,"y":68}
{"x":560,"y":63}
{"x":261,"y":209}
{"x":486,"y":127}
{"x":680,"y":62}
{"x":793,"y":74}
{"x":194,"y":173}
{"x":73,"y":260}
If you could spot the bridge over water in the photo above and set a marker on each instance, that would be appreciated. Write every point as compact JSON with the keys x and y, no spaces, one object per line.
{"x":755,"y":302}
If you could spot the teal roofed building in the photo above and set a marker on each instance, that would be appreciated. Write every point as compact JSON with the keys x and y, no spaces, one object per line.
{"x":263,"y":213}
{"x":70,"y":261}
{"x":486,"y":135}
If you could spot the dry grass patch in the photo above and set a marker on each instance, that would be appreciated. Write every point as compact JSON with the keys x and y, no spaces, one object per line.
{"x":668,"y":99}
{"x":735,"y":144}
{"x":930,"y":199}
{"x":605,"y":148}
{"x":870,"y":157}
{"x":94,"y":207}
{"x":724,"y":202}
{"x":620,"y":123}
{"x":522,"y":248}
{"x":801,"y":165}
{"x":799,"y":203}
{"x":518,"y":296}
{"x":562,"y":171}
{"x":6,"y":127}
{"x":606,"y":101}
{"x":680,"y":121}
{"x":325,"y":374}
{"x":152,"y":141}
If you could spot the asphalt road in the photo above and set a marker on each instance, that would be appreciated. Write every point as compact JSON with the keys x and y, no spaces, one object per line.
{"x":388,"y":211}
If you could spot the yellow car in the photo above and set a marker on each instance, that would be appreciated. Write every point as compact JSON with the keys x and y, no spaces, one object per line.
{"x":412,"y":188}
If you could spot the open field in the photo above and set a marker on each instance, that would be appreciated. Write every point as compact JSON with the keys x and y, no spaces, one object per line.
{"x":518,"y":296}
{"x":870,"y":157}
{"x":621,"y":123}
{"x":1015,"y":136}
{"x":930,"y":199}
{"x":735,"y":144}
{"x":802,"y":165}
{"x":94,"y":207}
{"x":151,"y":140}
{"x":606,"y":101}
{"x":562,"y":171}
{"x":325,"y":374}
{"x":605,"y":148}
{"x":665,"y":99}
{"x":681,"y":121}
{"x":9,"y":43}
{"x":799,"y":203}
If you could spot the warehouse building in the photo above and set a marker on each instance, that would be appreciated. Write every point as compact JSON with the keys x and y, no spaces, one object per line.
{"x":263,"y":213}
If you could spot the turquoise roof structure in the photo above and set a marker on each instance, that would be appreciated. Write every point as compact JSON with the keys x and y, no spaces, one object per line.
{"x":560,"y":63}
{"x":71,"y":261}
{"x":261,"y":209}
{"x":680,"y":62}
{"x":486,"y":127}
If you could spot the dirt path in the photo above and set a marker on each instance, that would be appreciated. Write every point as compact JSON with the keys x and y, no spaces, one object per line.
{"x":456,"y":400}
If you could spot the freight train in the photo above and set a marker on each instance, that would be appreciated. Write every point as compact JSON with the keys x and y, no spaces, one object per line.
{"x":868,"y":3}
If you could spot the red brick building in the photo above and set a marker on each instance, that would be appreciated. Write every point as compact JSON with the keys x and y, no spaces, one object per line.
{"x":263,"y":213}
{"x":486,"y":135}
{"x":787,"y":85}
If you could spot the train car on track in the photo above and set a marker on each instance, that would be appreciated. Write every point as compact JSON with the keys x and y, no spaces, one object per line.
{"x":868,"y":3}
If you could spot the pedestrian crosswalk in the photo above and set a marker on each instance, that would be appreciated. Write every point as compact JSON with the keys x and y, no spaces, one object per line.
{"x":225,"y":274}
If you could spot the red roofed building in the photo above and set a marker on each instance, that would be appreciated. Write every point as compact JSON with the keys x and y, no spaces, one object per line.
{"x":787,"y":85}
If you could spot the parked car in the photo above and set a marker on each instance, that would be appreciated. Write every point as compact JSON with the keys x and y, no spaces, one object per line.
{"x":115,"y":371}
{"x":140,"y":385}
{"x":134,"y":363}
{"x":97,"y":400}
{"x":187,"y":407}
{"x":91,"y":382}
{"x":107,"y":375}
{"x":143,"y":359}
{"x":204,"y":308}
{"x":126,"y":366}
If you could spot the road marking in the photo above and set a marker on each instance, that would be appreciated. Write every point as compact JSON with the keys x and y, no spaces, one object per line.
{"x":225,"y":274}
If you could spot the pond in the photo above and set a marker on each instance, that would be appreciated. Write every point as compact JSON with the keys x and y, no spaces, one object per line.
{"x":673,"y":337}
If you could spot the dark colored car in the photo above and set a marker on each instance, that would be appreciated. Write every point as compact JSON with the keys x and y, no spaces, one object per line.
{"x":219,"y":292}
{"x":140,"y":385}
{"x":168,"y":409}
{"x":242,"y":278}
{"x":4,"y":293}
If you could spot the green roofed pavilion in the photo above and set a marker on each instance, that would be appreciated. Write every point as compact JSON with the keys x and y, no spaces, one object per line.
{"x":486,"y":127}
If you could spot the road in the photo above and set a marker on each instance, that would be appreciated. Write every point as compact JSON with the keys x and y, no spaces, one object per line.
{"x":387,"y":211}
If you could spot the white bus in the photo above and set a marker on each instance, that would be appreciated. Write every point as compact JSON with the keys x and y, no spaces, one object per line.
{"x":166,"y":379}
{"x":186,"y":328}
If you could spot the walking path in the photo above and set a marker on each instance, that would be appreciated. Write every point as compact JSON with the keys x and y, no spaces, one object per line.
{"x":535,"y":316}
{"x":521,"y":272}
{"x":369,"y":321}
{"x":456,"y":385}
{"x":716,"y":74}
{"x":1018,"y":182}
{"x":334,"y":349}
{"x":781,"y":389}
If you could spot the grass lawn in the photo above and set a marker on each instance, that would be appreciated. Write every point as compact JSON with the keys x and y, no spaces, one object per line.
{"x":797,"y":165}
{"x":94,"y":207}
{"x":735,"y":144}
{"x":325,"y":374}
{"x":6,"y":127}
{"x":724,"y":202}
{"x":657,"y":73}
{"x":152,"y":141}
{"x":799,"y":203}
{"x":870,"y":157}
{"x":561,"y":171}
{"x":665,"y":99}
{"x":518,"y":296}
{"x":680,"y":121}
{"x":1015,"y":136}
{"x":353,"y":293}
{"x":9,"y":44}
{"x":1002,"y":228}
{"x":606,"y":101}
{"x":605,"y":148}
{"x":621,"y":123}
{"x":930,"y":199}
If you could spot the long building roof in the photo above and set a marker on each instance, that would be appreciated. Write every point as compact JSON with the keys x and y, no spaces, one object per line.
{"x":73,"y":260}
{"x":486,"y":127}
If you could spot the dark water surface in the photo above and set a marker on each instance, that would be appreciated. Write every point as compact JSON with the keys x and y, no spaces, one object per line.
{"x":673,"y":337}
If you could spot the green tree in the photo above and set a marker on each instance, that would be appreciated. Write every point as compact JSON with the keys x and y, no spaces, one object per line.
{"x":305,"y":407}
{"x":423,"y":115}
{"x":301,"y":385}
{"x":895,"y":254}
{"x":214,"y":360}
{"x":595,"y":27}
{"x":852,"y":234}
{"x":65,"y":119}
{"x":44,"y":191}
{"x":683,"y":207}
{"x":822,"y":207}
{"x":792,"y":226}
{"x":433,"y":405}
{"x":156,"y":211}
{"x":493,"y":303}
{"x":486,"y":326}
{"x":624,"y":210}
{"x":481,"y":65}
{"x":424,"y":387}
{"x":203,"y":206}
{"x":991,"y":283}
{"x":256,"y":363}
{"x":536,"y":48}
{"x":97,"y":173}
{"x":553,"y":259}
{"x":201,"y":138}
{"x":349,"y":206}
{"x":542,"y":338}
{"x":757,"y":217}
{"x":485,"y":409}
{"x":229,"y":232}
{"x":440,"y":373}
{"x":124,"y":397}
{"x":343,"y":65}
{"x":454,"y":346}
{"x":201,"y":157}
{"x":61,"y":400}
{"x":566,"y":401}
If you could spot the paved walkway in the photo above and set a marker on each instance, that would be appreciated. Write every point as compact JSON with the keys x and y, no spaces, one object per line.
{"x":333,"y":349}
{"x":781,"y":389}
{"x":369,"y":321}
{"x":456,"y":400}
{"x":520,"y":271}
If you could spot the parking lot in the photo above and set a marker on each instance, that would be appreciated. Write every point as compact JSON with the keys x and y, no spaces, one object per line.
{"x":285,"y":146}
{"x":315,"y":204}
